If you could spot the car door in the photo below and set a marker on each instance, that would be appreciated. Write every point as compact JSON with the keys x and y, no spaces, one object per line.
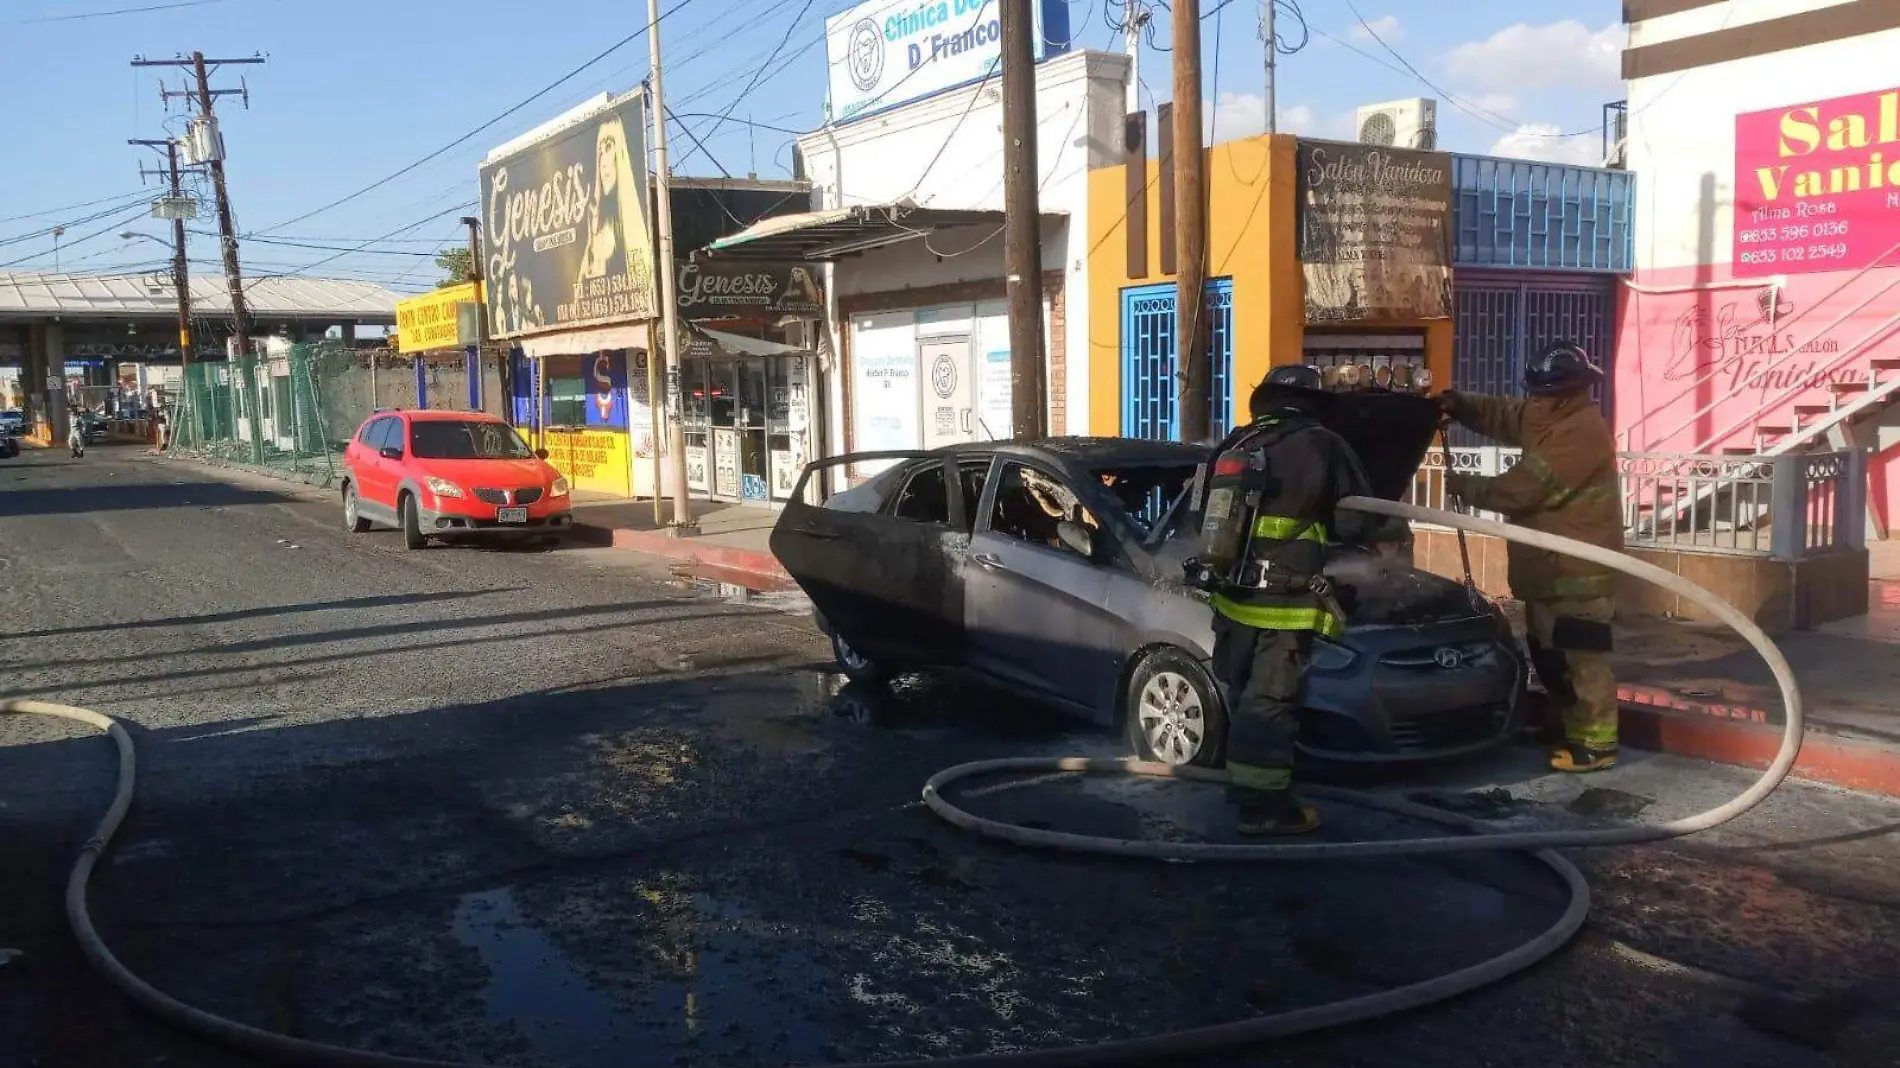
{"x":884,"y":578}
{"x":379,"y":473}
{"x":1037,"y":611}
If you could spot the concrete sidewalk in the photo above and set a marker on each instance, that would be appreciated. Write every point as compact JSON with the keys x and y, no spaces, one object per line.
{"x":731,"y":546}
{"x":1698,"y":690}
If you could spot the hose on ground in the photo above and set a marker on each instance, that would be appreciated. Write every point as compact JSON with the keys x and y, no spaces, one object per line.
{"x":1149,"y":1049}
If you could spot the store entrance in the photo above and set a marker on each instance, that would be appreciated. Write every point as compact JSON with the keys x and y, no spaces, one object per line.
{"x":736,"y":389}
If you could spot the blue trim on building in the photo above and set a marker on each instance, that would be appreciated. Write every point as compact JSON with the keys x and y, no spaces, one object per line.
{"x":1149,"y":398}
{"x":1541,"y":216}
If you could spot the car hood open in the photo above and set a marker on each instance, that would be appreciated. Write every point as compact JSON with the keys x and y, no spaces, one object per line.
{"x":1390,"y":432}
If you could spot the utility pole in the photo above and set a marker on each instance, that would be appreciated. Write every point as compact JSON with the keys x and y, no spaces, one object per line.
{"x":669,"y":306}
{"x":181,"y":277}
{"x":209,"y":145}
{"x":503,"y":373}
{"x":1022,"y":224}
{"x":1271,"y":37}
{"x":1132,"y":19}
{"x":1190,"y":220}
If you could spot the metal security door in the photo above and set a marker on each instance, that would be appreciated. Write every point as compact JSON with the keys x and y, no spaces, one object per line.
{"x":1500,"y":320}
{"x":1149,"y":387}
{"x":949,"y":393}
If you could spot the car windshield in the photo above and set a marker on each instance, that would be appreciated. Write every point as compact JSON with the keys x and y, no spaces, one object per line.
{"x":1145,"y":492}
{"x":456,"y":439}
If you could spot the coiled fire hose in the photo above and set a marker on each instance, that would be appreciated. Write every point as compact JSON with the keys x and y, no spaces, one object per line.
{"x":1154,"y":1048}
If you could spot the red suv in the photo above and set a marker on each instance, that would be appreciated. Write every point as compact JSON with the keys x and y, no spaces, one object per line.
{"x":433,"y":473}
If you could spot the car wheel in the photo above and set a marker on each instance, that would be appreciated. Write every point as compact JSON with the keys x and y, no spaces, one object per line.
{"x":353,"y":520}
{"x":412,"y":536}
{"x":1173,"y":711}
{"x":856,"y":666}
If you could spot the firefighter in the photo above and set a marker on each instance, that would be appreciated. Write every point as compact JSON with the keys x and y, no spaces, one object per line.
{"x":1267,"y":518}
{"x":1566,"y":484}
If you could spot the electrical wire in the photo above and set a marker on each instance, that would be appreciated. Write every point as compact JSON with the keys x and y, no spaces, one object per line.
{"x":115,"y":224}
{"x":756,"y":76}
{"x":545,"y":90}
{"x":85,"y":15}
{"x":465,"y":206}
{"x":126,"y":197}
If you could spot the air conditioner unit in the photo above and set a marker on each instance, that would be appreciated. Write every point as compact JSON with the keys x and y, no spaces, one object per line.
{"x":1409,"y":123}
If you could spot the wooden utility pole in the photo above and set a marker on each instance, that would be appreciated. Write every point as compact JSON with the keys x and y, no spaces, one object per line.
{"x":669,"y":306}
{"x":181,"y":271}
{"x":504,"y":374}
{"x":1190,"y":220}
{"x":210,"y":145}
{"x":1022,"y":224}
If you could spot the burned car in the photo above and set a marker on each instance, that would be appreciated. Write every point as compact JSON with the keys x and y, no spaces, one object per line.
{"x":1053,"y":569}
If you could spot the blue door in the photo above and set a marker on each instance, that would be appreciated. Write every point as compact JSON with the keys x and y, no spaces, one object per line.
{"x":1149,"y":387}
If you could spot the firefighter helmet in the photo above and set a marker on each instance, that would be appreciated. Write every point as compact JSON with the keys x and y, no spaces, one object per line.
{"x":1560,"y":367}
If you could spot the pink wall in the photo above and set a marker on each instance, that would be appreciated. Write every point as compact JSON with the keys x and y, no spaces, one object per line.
{"x":1698,"y":371}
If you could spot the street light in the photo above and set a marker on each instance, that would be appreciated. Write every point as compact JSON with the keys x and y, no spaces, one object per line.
{"x":181,"y":280}
{"x":133,"y":235}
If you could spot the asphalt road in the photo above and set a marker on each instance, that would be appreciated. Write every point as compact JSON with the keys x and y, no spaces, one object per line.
{"x":543,"y":808}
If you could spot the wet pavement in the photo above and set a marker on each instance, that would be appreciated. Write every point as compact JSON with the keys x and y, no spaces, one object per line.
{"x":543,"y":809}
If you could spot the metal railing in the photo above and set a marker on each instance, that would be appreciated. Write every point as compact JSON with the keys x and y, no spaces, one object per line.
{"x":1782,"y":507}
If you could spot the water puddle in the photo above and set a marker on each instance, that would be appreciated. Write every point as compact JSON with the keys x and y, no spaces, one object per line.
{"x":728,"y":992}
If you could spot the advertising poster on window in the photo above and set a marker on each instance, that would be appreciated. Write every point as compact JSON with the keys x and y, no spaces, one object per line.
{"x":696,"y":468}
{"x":993,"y":411}
{"x":1817,"y":186}
{"x":883,"y":392}
{"x":1375,"y":232}
{"x":786,"y":466}
{"x":595,"y":461}
{"x":725,"y":449}
{"x":565,"y":240}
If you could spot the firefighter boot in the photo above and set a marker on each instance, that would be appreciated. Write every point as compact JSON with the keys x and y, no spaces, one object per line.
{"x":1578,"y":759}
{"x":1274,"y":812}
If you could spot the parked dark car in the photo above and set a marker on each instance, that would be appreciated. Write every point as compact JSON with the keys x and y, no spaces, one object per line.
{"x":1053,"y":569}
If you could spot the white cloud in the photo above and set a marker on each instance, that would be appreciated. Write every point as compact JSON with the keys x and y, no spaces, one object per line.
{"x":1541,"y":141}
{"x":1566,"y":54}
{"x":1386,"y":26}
{"x":1231,"y":116}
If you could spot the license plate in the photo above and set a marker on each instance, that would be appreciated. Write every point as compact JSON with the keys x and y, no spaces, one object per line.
{"x":511,"y":515}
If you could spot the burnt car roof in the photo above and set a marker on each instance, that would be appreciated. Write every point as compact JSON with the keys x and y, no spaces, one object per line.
{"x":1083,"y":452}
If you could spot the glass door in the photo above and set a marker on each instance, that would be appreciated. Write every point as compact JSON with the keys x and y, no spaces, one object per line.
{"x":752,"y":429}
{"x":723,"y":401}
{"x":696,"y":423}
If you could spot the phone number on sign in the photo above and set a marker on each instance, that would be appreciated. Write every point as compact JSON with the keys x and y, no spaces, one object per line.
{"x":1797,"y":254}
{"x":1793,"y":232}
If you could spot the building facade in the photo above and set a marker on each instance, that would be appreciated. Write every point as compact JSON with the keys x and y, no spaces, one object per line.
{"x":1760,"y":318}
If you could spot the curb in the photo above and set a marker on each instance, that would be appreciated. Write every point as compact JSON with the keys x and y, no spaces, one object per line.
{"x":1748,"y":737}
{"x":741,"y":567}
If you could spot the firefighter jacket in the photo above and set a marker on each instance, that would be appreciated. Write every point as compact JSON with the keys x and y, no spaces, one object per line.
{"x":1300,"y":470}
{"x":1565,"y":484}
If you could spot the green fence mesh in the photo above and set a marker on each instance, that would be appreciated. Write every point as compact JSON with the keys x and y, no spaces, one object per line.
{"x":291,"y":409}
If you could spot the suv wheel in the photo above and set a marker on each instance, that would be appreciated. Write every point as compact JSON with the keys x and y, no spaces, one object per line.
{"x":412,"y":535}
{"x":353,"y":520}
{"x":856,"y":666}
{"x":1173,"y":712}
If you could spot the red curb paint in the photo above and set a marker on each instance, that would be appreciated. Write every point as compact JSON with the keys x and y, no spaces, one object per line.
{"x":722,"y":562}
{"x":1746,"y":737}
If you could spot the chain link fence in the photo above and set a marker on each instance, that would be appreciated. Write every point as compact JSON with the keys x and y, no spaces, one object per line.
{"x":290,"y":409}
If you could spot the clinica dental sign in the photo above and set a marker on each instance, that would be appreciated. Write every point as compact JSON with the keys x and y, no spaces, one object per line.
{"x":889,"y":52}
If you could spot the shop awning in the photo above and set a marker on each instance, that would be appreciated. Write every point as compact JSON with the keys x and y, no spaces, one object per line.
{"x":835,"y":232}
{"x":740,"y":345}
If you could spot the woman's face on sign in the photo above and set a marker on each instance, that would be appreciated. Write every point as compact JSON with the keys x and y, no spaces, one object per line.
{"x":609,"y":173}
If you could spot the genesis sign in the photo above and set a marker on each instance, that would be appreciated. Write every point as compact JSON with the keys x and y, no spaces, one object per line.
{"x":889,"y":52}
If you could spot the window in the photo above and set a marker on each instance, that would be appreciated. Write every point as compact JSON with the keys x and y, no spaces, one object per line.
{"x":384,"y":433}
{"x":470,"y":439}
{"x":565,"y":384}
{"x":1029,"y":505}
{"x":924,"y":498}
{"x":371,"y":429}
{"x":1145,"y":492}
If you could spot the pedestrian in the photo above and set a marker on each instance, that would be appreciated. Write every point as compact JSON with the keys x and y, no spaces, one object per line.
{"x":1565,"y":483}
{"x":1267,"y":518}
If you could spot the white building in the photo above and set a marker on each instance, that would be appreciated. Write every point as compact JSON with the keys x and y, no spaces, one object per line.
{"x":908,"y":218}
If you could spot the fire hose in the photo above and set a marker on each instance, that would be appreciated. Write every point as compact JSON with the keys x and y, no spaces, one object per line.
{"x":1153,"y":1048}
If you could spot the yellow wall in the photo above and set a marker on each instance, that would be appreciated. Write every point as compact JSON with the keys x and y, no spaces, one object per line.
{"x":1253,"y":231}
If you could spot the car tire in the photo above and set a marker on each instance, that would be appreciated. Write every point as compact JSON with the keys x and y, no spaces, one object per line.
{"x":353,"y":520}
{"x":1172,"y":710}
{"x":412,"y":535}
{"x":856,"y":666}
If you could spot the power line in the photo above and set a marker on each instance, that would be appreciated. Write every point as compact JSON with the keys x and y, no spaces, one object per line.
{"x":754,"y":80}
{"x":115,"y":224}
{"x":57,"y":228}
{"x":83,"y":15}
{"x":550,"y":87}
{"x":73,"y":207}
{"x":306,"y":268}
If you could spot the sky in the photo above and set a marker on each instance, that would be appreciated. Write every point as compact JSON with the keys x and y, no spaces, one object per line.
{"x":388,"y":105}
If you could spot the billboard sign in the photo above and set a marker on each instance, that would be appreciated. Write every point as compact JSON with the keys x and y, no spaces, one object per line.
{"x":565,"y":240}
{"x":883,"y":53}
{"x":717,"y":289}
{"x":441,"y":319}
{"x":1817,"y":186}
{"x":1375,"y":232}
